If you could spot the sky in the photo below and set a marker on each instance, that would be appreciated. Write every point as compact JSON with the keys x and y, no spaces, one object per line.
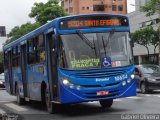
{"x":15,"y":12}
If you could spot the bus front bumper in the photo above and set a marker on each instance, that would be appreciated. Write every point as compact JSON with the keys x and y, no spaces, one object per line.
{"x":71,"y":95}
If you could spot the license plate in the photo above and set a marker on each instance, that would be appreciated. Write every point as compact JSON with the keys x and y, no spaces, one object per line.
{"x":101,"y":93}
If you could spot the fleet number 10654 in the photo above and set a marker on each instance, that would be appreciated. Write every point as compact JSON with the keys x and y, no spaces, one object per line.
{"x":121,"y":77}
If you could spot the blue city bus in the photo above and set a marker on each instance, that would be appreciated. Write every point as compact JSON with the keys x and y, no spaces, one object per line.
{"x":72,"y":59}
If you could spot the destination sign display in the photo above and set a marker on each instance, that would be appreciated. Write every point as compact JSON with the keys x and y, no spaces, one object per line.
{"x":93,"y":21}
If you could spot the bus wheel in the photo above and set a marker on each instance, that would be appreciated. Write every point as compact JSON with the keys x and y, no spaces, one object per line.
{"x":20,"y":100}
{"x":106,"y":103}
{"x":50,"y":106}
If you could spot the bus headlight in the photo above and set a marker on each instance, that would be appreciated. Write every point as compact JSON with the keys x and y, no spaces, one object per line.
{"x":78,"y":87}
{"x":124,"y":83}
{"x":71,"y":86}
{"x":65,"y":81}
{"x":129,"y":80}
{"x":132,"y":76}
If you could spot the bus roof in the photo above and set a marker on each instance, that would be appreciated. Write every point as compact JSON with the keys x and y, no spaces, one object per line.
{"x":49,"y":25}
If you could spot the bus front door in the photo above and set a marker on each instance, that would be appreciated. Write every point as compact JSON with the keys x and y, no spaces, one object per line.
{"x":10,"y":71}
{"x":52,"y":69}
{"x":23,"y":70}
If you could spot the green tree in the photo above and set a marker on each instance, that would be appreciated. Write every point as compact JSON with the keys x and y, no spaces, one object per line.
{"x":153,"y":7}
{"x":19,"y":31}
{"x":43,"y":12}
{"x":146,"y":37}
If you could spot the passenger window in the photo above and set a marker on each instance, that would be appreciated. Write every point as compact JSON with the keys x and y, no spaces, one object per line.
{"x":31,"y":52}
{"x":36,"y":53}
{"x":15,"y":57}
{"x":40,"y":50}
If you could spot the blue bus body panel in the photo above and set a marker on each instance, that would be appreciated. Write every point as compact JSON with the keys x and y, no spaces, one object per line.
{"x":92,"y":81}
{"x":89,"y":81}
{"x":36,"y":75}
{"x":53,"y":24}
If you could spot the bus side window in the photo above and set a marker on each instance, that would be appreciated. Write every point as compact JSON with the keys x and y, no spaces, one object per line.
{"x":40,"y":49}
{"x":15,"y":57}
{"x":72,"y":55}
{"x":31,"y":52}
{"x":61,"y":55}
{"x":35,"y":50}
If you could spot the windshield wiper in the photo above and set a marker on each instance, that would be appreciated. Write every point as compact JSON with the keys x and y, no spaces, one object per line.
{"x":94,"y":47}
{"x":107,"y":41}
{"x":85,"y":39}
{"x":110,"y":35}
{"x":104,"y":46}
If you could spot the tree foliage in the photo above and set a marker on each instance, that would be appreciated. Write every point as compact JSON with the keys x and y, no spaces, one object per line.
{"x":146,"y":37}
{"x":151,"y":7}
{"x":19,"y":31}
{"x":43,"y":12}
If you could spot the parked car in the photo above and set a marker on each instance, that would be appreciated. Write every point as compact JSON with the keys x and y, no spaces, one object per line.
{"x":147,"y":77}
{"x":2,"y":81}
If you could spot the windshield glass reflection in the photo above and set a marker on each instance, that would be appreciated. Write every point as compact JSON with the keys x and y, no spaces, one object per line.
{"x":95,"y":50}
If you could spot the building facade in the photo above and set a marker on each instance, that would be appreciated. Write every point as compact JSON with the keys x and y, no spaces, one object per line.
{"x":138,"y":20}
{"x":74,"y":7}
{"x":2,"y":36}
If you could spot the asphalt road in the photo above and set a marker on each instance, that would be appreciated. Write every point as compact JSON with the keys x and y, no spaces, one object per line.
{"x":140,"y":104}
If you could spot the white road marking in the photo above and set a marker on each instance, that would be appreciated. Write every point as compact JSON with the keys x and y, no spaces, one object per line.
{"x":3,"y":101}
{"x":156,"y":95}
{"x":93,"y":102}
{"x":117,"y":100}
{"x":16,"y":107}
{"x":148,"y":95}
{"x":135,"y":97}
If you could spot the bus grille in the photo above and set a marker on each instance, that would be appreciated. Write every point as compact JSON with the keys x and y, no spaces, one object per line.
{"x":100,"y":74}
{"x":107,"y":85}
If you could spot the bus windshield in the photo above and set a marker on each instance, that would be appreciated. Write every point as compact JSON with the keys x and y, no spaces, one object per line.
{"x":95,"y":50}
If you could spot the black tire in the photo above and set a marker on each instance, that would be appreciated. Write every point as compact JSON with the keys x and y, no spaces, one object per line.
{"x":20,"y":100}
{"x":106,"y":103}
{"x":51,"y":107}
{"x":144,"y":89}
